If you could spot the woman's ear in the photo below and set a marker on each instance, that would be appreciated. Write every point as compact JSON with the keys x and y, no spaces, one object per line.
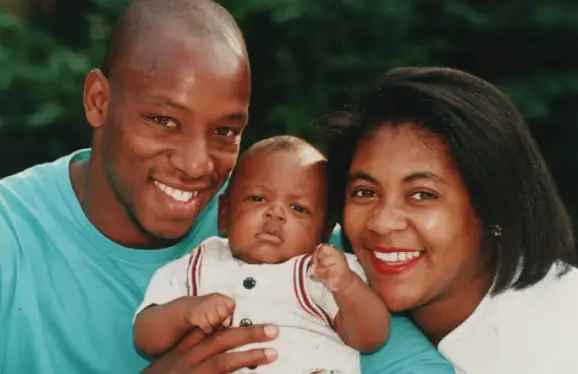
{"x":223,"y":215}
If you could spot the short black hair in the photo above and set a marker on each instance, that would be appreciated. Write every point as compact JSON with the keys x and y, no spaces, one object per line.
{"x":500,"y":164}
{"x":204,"y":18}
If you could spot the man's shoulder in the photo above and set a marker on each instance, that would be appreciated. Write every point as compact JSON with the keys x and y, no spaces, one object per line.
{"x":29,"y":196}
{"x":33,"y":180}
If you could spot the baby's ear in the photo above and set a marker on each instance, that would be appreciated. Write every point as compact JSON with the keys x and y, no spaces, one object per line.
{"x":327,"y":231}
{"x":223,"y":216}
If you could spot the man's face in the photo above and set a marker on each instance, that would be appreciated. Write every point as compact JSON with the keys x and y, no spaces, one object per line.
{"x":175,"y":114}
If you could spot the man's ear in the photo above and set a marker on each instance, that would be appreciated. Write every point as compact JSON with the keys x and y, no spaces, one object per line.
{"x":95,"y":98}
{"x":327,"y":231}
{"x":223,"y":216}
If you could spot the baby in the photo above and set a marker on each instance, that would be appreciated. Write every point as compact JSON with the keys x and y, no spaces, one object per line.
{"x":271,"y":269}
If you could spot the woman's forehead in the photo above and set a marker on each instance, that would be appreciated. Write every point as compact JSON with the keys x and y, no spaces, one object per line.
{"x":403,"y":150}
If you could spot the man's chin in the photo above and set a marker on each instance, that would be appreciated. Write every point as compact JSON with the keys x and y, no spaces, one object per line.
{"x":166,"y":234}
{"x":172,"y":231}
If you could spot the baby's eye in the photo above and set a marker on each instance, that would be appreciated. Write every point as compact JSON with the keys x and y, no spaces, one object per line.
{"x":256,"y":198}
{"x":423,"y":195}
{"x":298,"y":208}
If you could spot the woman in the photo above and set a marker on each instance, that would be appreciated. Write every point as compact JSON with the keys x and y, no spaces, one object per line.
{"x":456,"y":220}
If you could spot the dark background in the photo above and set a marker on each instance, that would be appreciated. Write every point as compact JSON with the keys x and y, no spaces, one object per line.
{"x":308,"y":56}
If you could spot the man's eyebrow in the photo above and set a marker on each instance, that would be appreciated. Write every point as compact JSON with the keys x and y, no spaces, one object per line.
{"x":164,"y":100}
{"x":161,"y":99}
{"x":238,"y":117}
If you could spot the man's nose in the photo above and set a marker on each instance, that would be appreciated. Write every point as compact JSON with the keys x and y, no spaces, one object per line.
{"x":192,"y":158}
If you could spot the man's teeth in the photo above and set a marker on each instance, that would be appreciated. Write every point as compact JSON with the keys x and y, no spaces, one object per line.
{"x":179,"y":195}
{"x":397,"y":256}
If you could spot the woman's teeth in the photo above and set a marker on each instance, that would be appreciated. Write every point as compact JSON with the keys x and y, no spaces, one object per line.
{"x":400,"y":257}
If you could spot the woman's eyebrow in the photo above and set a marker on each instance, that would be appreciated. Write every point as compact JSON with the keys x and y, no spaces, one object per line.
{"x":361,"y":175}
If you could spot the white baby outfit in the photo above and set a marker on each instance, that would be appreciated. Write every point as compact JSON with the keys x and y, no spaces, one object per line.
{"x":283,"y":294}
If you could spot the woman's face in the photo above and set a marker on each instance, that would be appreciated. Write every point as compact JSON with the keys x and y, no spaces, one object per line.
{"x":409,"y":218}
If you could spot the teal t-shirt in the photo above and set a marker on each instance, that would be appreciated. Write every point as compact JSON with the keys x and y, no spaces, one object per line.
{"x":68,"y":294}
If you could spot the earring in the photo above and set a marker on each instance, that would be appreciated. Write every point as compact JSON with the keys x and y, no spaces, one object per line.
{"x":496,"y":230}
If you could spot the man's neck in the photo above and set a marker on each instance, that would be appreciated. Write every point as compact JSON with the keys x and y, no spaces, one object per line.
{"x":441,"y":317}
{"x":105,"y":211}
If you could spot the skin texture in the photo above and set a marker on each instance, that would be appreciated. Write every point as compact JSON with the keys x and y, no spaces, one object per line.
{"x":276,"y":207}
{"x":281,"y":194}
{"x":173,"y":113}
{"x":405,"y":192}
{"x":198,"y":354}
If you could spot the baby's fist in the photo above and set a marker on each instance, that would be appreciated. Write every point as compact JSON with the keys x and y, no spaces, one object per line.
{"x":330,"y":267}
{"x":210,"y":311}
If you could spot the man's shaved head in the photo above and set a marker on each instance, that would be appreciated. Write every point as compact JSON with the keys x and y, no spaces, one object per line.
{"x":197,"y":18}
{"x":168,"y":110}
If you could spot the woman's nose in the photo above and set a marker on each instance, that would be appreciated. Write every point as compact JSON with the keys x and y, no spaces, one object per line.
{"x":385,"y":219}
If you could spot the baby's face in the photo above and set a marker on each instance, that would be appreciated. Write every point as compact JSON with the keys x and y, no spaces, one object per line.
{"x":276,"y":207}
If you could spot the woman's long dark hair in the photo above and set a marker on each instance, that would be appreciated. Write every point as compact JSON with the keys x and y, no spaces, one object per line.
{"x":504,"y":173}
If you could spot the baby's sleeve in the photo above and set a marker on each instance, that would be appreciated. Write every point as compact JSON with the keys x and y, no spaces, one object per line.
{"x":322,"y":296}
{"x":167,"y":283}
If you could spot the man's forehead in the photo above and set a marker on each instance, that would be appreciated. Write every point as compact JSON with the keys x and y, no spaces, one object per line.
{"x":167,"y":50}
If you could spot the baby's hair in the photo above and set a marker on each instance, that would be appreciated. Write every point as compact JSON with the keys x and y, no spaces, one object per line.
{"x":277,"y":143}
{"x":283,"y":143}
{"x":269,"y":145}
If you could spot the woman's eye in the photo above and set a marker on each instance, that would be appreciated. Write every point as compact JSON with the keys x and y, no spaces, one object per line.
{"x":256,"y":198}
{"x":163,"y":121}
{"x":423,"y":195}
{"x":363,"y":192}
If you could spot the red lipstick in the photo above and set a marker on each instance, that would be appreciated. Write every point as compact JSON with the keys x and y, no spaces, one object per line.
{"x":393,"y":260}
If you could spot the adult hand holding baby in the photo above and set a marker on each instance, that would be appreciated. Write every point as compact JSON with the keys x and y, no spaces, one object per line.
{"x":199,"y":353}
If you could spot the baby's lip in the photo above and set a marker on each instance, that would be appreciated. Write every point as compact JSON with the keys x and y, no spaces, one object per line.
{"x":271,"y":234}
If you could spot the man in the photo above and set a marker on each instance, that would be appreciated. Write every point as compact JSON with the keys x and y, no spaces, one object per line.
{"x":81,"y":237}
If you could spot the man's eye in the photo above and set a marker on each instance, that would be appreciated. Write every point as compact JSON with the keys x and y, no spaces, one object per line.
{"x":226,"y":132}
{"x":256,"y":198}
{"x":163,"y":121}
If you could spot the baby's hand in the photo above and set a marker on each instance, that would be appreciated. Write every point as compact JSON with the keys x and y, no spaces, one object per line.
{"x":330,"y":267}
{"x":209,"y":311}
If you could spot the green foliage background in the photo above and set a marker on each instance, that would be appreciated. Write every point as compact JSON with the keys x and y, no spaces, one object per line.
{"x":308,"y":56}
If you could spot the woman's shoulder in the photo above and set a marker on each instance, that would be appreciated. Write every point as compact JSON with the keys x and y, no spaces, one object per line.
{"x":553,"y":297}
{"x":538,"y":323}
{"x":559,"y":287}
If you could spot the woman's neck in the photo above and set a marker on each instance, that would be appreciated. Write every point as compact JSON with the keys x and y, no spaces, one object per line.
{"x":440,"y":317}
